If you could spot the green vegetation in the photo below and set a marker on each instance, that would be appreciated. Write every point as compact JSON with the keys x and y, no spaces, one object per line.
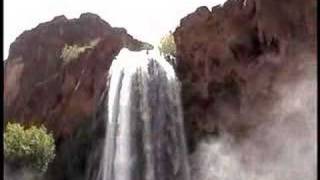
{"x":167,"y":45}
{"x":72,"y":52}
{"x":33,"y":148}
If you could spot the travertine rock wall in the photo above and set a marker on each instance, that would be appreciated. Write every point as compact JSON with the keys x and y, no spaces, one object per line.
{"x":233,"y":58}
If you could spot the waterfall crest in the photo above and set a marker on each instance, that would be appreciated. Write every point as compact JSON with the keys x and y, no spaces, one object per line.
{"x":144,"y":124}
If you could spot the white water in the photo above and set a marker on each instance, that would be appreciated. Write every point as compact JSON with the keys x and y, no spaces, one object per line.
{"x":144,"y":135}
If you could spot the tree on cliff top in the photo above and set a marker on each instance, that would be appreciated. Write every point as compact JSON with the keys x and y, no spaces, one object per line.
{"x":167,"y":45}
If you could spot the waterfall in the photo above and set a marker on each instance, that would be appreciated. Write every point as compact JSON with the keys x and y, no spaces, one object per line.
{"x":144,"y":124}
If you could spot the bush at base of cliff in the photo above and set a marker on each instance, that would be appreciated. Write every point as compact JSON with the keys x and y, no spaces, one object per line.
{"x":32,"y":148}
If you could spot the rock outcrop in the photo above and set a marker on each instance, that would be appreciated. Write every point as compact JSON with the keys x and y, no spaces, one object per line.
{"x":56,"y":73}
{"x":233,"y":59}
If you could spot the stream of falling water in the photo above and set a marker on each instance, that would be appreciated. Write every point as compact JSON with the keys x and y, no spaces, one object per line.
{"x":144,"y":124}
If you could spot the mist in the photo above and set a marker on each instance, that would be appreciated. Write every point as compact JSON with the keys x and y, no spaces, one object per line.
{"x":22,"y":173}
{"x":282,"y":141}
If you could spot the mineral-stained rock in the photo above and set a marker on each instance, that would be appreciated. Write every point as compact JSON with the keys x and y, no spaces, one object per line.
{"x":232,"y":60}
{"x":55,"y":73}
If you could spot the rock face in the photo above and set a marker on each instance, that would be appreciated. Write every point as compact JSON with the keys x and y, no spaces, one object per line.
{"x":56,"y":73}
{"x":233,"y":59}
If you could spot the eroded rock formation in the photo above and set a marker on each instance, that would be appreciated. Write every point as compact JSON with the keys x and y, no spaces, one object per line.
{"x":233,"y":59}
{"x":56,"y":73}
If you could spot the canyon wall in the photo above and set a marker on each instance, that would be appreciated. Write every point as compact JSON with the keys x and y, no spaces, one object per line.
{"x":56,"y":75}
{"x":233,"y":59}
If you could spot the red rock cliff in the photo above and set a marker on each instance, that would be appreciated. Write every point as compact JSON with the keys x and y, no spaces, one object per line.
{"x":56,"y":73}
{"x":232,"y":59}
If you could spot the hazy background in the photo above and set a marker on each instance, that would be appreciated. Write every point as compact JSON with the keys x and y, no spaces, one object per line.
{"x":147,"y":20}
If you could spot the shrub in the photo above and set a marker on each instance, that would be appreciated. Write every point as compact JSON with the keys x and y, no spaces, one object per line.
{"x":72,"y":52}
{"x":33,"y":148}
{"x":167,"y":45}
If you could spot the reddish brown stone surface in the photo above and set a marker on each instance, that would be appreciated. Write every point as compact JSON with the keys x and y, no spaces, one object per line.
{"x":39,"y":87}
{"x":233,"y":59}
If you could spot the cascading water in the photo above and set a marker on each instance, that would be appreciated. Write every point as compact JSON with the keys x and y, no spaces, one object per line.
{"x":144,"y":124}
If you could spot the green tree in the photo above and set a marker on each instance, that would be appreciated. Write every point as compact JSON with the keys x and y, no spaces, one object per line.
{"x":32,"y":148}
{"x":167,"y":45}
